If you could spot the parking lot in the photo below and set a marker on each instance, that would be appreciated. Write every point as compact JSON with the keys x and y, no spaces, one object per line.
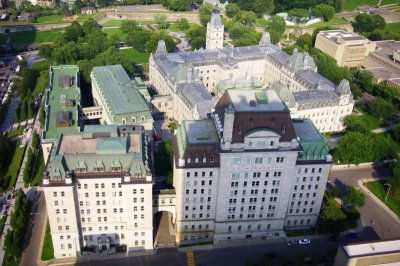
{"x":8,"y":67}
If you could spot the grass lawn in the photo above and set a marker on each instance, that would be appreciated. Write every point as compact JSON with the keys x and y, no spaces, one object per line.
{"x":15,"y":133}
{"x":15,"y":163}
{"x":51,"y":19}
{"x":350,"y":5}
{"x":371,"y":121}
{"x":47,"y":250}
{"x":28,"y":37}
{"x":2,"y":221}
{"x":112,"y":23}
{"x":41,"y":65}
{"x":135,"y":56}
{"x":174,"y":27}
{"x":380,"y":191}
{"x":8,"y":261}
{"x":39,"y":169}
{"x":393,"y":27}
{"x":41,"y":83}
{"x":116,"y":31}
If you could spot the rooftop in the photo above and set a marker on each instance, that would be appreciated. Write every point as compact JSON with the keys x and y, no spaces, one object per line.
{"x":372,"y":248}
{"x":216,"y":20}
{"x":63,"y":96}
{"x":256,"y":100}
{"x":306,"y":131}
{"x":201,"y":131}
{"x":337,"y":35}
{"x":197,"y":95}
{"x":119,"y":90}
{"x":387,"y":48}
{"x":79,"y":144}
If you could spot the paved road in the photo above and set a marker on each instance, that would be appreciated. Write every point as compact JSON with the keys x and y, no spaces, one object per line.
{"x":231,"y":256}
{"x":384,"y":226}
{"x":8,"y":120}
{"x":33,"y":237}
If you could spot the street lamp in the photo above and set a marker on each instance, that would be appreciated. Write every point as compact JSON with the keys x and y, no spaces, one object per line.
{"x":390,"y":186}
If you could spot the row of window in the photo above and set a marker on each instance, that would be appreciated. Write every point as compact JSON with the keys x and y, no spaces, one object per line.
{"x":298,"y":210}
{"x":194,"y":216}
{"x":305,"y":170}
{"x":196,"y":174}
{"x":253,"y":192}
{"x":236,"y":176}
{"x":199,"y":227}
{"x":202,"y":191}
{"x":257,"y":160}
{"x":249,"y":227}
{"x":256,"y":183}
{"x":202,"y":183}
{"x":203,"y":159}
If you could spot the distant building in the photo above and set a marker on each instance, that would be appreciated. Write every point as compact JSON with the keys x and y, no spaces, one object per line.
{"x":62,"y":105}
{"x":369,"y":253}
{"x":98,"y":191}
{"x":210,"y":72}
{"x":248,"y":172}
{"x":215,"y":32}
{"x":384,"y":63}
{"x":119,"y":97}
{"x":348,"y":48}
{"x":88,"y":10}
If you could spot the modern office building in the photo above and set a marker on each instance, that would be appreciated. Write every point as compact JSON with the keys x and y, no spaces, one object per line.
{"x":369,"y":253}
{"x":119,"y":97}
{"x":249,"y":172}
{"x":384,"y":63}
{"x":348,"y":48}
{"x":213,"y":71}
{"x":98,"y":190}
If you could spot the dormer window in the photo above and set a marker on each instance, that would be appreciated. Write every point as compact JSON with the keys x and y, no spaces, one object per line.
{"x":98,"y":169}
{"x":81,"y":170}
{"x":212,"y":159}
{"x":271,"y":143}
{"x":189,"y":160}
{"x":116,"y":169}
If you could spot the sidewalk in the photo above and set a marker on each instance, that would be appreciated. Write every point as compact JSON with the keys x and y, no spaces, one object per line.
{"x":378,"y":201}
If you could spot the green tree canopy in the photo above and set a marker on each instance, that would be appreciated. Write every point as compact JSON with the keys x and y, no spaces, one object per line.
{"x":183,"y":24}
{"x":129,"y":26}
{"x":232,"y":10}
{"x":381,"y":108}
{"x":161,"y":20}
{"x":354,"y":198}
{"x":304,"y":41}
{"x":333,"y":218}
{"x":368,"y":23}
{"x":205,"y":13}
{"x":276,"y":27}
{"x":324,"y":11}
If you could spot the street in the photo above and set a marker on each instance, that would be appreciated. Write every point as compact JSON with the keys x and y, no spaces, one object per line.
{"x":383,"y":226}
{"x":36,"y":226}
{"x":230,"y":255}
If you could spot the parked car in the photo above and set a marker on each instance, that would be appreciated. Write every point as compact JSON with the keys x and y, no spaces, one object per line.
{"x":292,"y":242}
{"x":304,"y":241}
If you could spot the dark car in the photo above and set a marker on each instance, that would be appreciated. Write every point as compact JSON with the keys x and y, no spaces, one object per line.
{"x":292,"y":242}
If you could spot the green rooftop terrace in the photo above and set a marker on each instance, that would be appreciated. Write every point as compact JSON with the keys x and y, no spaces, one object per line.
{"x":63,"y":99}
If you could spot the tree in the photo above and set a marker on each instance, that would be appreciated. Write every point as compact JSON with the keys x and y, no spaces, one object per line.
{"x":205,"y":13}
{"x":183,"y":24}
{"x":179,"y":5}
{"x":46,"y":50}
{"x":356,"y":123}
{"x":396,"y":133}
{"x":236,"y":31}
{"x":197,"y":43}
{"x":261,"y":7}
{"x":394,"y":181}
{"x":161,"y":20}
{"x":232,"y":10}
{"x":5,"y":150}
{"x":73,"y":32}
{"x":247,"y":18}
{"x":129,"y":26}
{"x":89,"y":25}
{"x":195,"y":32}
{"x":276,"y":27}
{"x":138,"y":39}
{"x":333,"y":219}
{"x":381,"y":108}
{"x":355,"y":148}
{"x":299,"y":15}
{"x":304,"y":41}
{"x":354,"y":199}
{"x":324,"y":11}
{"x":368,"y":23}
{"x":152,"y":43}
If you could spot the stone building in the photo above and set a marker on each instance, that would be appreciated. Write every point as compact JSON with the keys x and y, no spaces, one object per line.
{"x":248,"y":172}
{"x":98,"y":191}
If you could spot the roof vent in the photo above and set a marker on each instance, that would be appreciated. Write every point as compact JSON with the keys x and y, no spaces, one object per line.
{"x":253,"y":103}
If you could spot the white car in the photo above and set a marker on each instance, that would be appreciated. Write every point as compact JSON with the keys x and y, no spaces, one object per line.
{"x":304,"y":241}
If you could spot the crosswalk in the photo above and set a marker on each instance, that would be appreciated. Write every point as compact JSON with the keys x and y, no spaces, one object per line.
{"x":190,"y":258}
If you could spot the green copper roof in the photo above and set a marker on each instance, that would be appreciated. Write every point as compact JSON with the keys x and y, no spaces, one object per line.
{"x":311,"y":141}
{"x":119,"y":92}
{"x":112,"y":145}
{"x":56,"y":96}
